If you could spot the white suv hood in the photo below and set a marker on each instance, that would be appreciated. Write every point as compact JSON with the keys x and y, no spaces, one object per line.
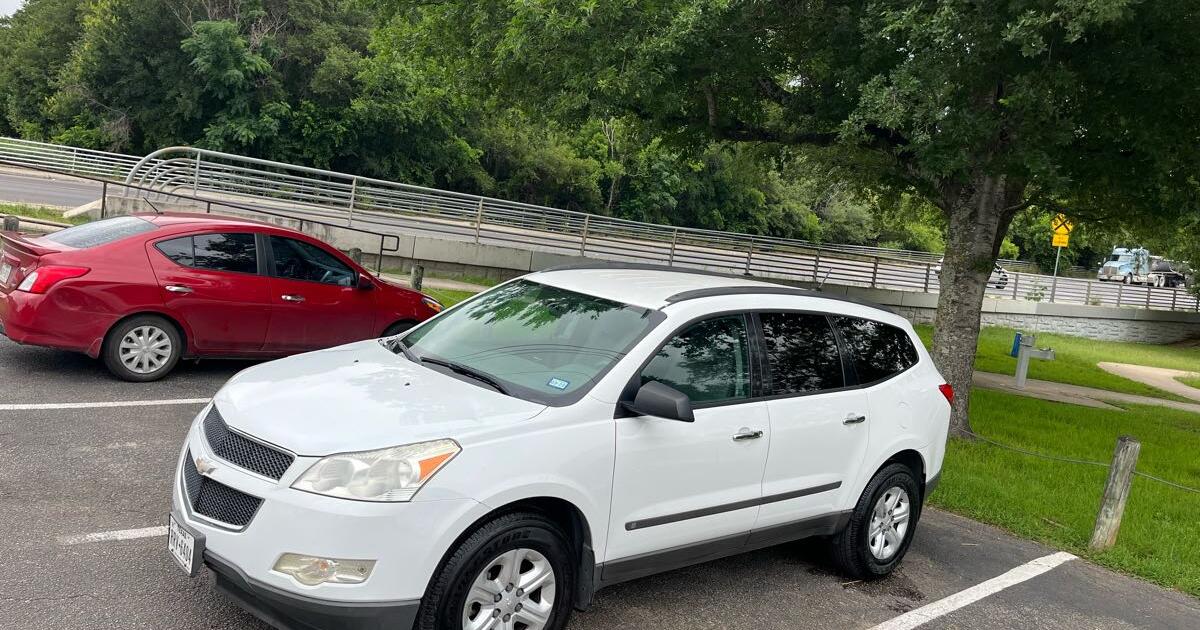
{"x":359,"y":397}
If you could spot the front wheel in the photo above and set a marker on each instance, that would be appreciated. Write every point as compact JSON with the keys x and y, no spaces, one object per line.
{"x":881,"y":526}
{"x":513,"y":573}
{"x":142,"y":349}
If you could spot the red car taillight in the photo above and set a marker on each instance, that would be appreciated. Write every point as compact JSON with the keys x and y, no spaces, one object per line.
{"x":43,"y":278}
{"x":947,"y":391}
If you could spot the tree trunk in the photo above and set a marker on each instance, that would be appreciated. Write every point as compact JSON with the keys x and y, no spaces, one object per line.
{"x":979,"y":214}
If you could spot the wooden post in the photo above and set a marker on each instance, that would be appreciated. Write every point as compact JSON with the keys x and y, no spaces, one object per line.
{"x":11,"y":223}
{"x":1116,"y":492}
{"x":418,"y":277}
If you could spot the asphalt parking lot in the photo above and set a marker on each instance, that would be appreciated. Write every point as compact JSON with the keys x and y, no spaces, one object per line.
{"x":83,"y":475}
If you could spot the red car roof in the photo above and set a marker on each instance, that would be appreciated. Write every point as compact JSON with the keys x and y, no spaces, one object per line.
{"x":172,"y":219}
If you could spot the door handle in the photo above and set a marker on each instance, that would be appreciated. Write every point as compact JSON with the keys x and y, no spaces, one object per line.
{"x":175,"y":288}
{"x":746,"y":434}
{"x":854,"y":419}
{"x":292,"y":298}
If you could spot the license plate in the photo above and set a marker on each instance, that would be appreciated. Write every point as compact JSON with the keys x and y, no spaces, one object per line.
{"x":184,"y":547}
{"x":5,"y":272}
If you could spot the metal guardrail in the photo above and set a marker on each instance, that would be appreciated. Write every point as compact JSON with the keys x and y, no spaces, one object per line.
{"x":388,"y":243}
{"x":57,"y":157}
{"x":382,"y":206}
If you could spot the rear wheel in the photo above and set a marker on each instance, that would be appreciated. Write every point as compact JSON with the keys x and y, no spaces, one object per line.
{"x":142,"y":349}
{"x":513,"y":573}
{"x":881,"y":526}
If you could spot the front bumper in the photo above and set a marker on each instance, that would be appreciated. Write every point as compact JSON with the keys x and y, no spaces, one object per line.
{"x":407,"y":541}
{"x":289,"y":611}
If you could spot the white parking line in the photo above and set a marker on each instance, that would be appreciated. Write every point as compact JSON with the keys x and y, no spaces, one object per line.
{"x":103,"y":405}
{"x":929,"y":612}
{"x":121,"y":534}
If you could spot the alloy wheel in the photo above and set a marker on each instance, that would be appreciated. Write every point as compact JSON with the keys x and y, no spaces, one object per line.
{"x":889,"y":523}
{"x":515,"y":591}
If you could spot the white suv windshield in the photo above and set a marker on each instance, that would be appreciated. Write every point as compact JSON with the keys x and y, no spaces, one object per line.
{"x":531,"y":340}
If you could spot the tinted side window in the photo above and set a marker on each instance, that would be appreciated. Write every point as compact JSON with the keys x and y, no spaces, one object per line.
{"x":226,"y":252}
{"x":298,"y":260}
{"x":709,"y":361}
{"x":178,"y":250}
{"x":802,"y":353}
{"x":878,"y":350}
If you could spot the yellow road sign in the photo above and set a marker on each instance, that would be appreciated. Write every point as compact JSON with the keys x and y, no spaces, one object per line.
{"x":1061,"y":225}
{"x":1061,"y":240}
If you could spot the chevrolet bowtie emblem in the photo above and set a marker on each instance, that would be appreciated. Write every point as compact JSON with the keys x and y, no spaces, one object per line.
{"x":204,"y":467}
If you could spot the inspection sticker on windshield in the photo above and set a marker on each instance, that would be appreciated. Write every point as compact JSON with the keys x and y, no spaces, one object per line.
{"x":558,"y":383}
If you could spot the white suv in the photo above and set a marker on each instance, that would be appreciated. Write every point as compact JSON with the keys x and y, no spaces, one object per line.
{"x":565,"y":431}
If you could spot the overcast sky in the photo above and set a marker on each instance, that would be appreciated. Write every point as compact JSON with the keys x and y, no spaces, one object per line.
{"x":8,"y":7}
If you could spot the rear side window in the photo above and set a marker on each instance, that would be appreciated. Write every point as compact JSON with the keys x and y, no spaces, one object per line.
{"x":802,"y":353}
{"x":215,"y":252}
{"x":709,"y":361}
{"x":179,"y":250}
{"x":878,"y":350}
{"x":101,"y":232}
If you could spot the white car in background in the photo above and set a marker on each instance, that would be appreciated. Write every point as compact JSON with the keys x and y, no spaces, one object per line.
{"x":575,"y":428}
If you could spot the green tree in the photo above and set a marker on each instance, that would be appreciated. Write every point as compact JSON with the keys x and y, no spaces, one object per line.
{"x":981,"y":108}
{"x":33,"y":51}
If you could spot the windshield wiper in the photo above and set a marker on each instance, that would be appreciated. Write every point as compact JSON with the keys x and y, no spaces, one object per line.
{"x":468,"y":371}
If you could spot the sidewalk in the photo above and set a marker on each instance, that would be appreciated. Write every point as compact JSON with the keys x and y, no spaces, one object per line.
{"x":1074,"y":394}
{"x":1162,"y":378}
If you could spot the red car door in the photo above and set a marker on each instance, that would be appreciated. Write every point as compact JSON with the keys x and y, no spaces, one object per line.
{"x":212,"y":281}
{"x":316,"y":302}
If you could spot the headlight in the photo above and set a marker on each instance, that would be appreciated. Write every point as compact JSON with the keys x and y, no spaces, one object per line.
{"x":432,"y":303}
{"x":386,"y":475}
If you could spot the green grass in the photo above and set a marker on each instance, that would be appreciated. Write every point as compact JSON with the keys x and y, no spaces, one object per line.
{"x":1190,"y":381}
{"x":1076,"y":358}
{"x":35,"y":212}
{"x":1056,"y":502}
{"x":448,"y":297}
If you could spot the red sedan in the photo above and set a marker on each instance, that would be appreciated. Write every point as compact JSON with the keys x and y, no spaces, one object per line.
{"x":144,"y":291}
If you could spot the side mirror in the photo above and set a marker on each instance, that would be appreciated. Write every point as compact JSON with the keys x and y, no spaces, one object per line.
{"x":365,"y":283}
{"x":661,"y":401}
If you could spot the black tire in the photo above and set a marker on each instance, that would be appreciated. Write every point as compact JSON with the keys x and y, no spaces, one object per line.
{"x":851,"y":547}
{"x":397,"y":328}
{"x":111,"y":352}
{"x":1127,"y":280}
{"x":442,"y":608}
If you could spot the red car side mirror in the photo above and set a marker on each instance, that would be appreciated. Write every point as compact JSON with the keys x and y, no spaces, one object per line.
{"x":365,"y":283}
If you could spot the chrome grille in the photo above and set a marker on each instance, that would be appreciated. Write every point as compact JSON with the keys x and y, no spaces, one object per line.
{"x":217,"y":501}
{"x":241,"y":451}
